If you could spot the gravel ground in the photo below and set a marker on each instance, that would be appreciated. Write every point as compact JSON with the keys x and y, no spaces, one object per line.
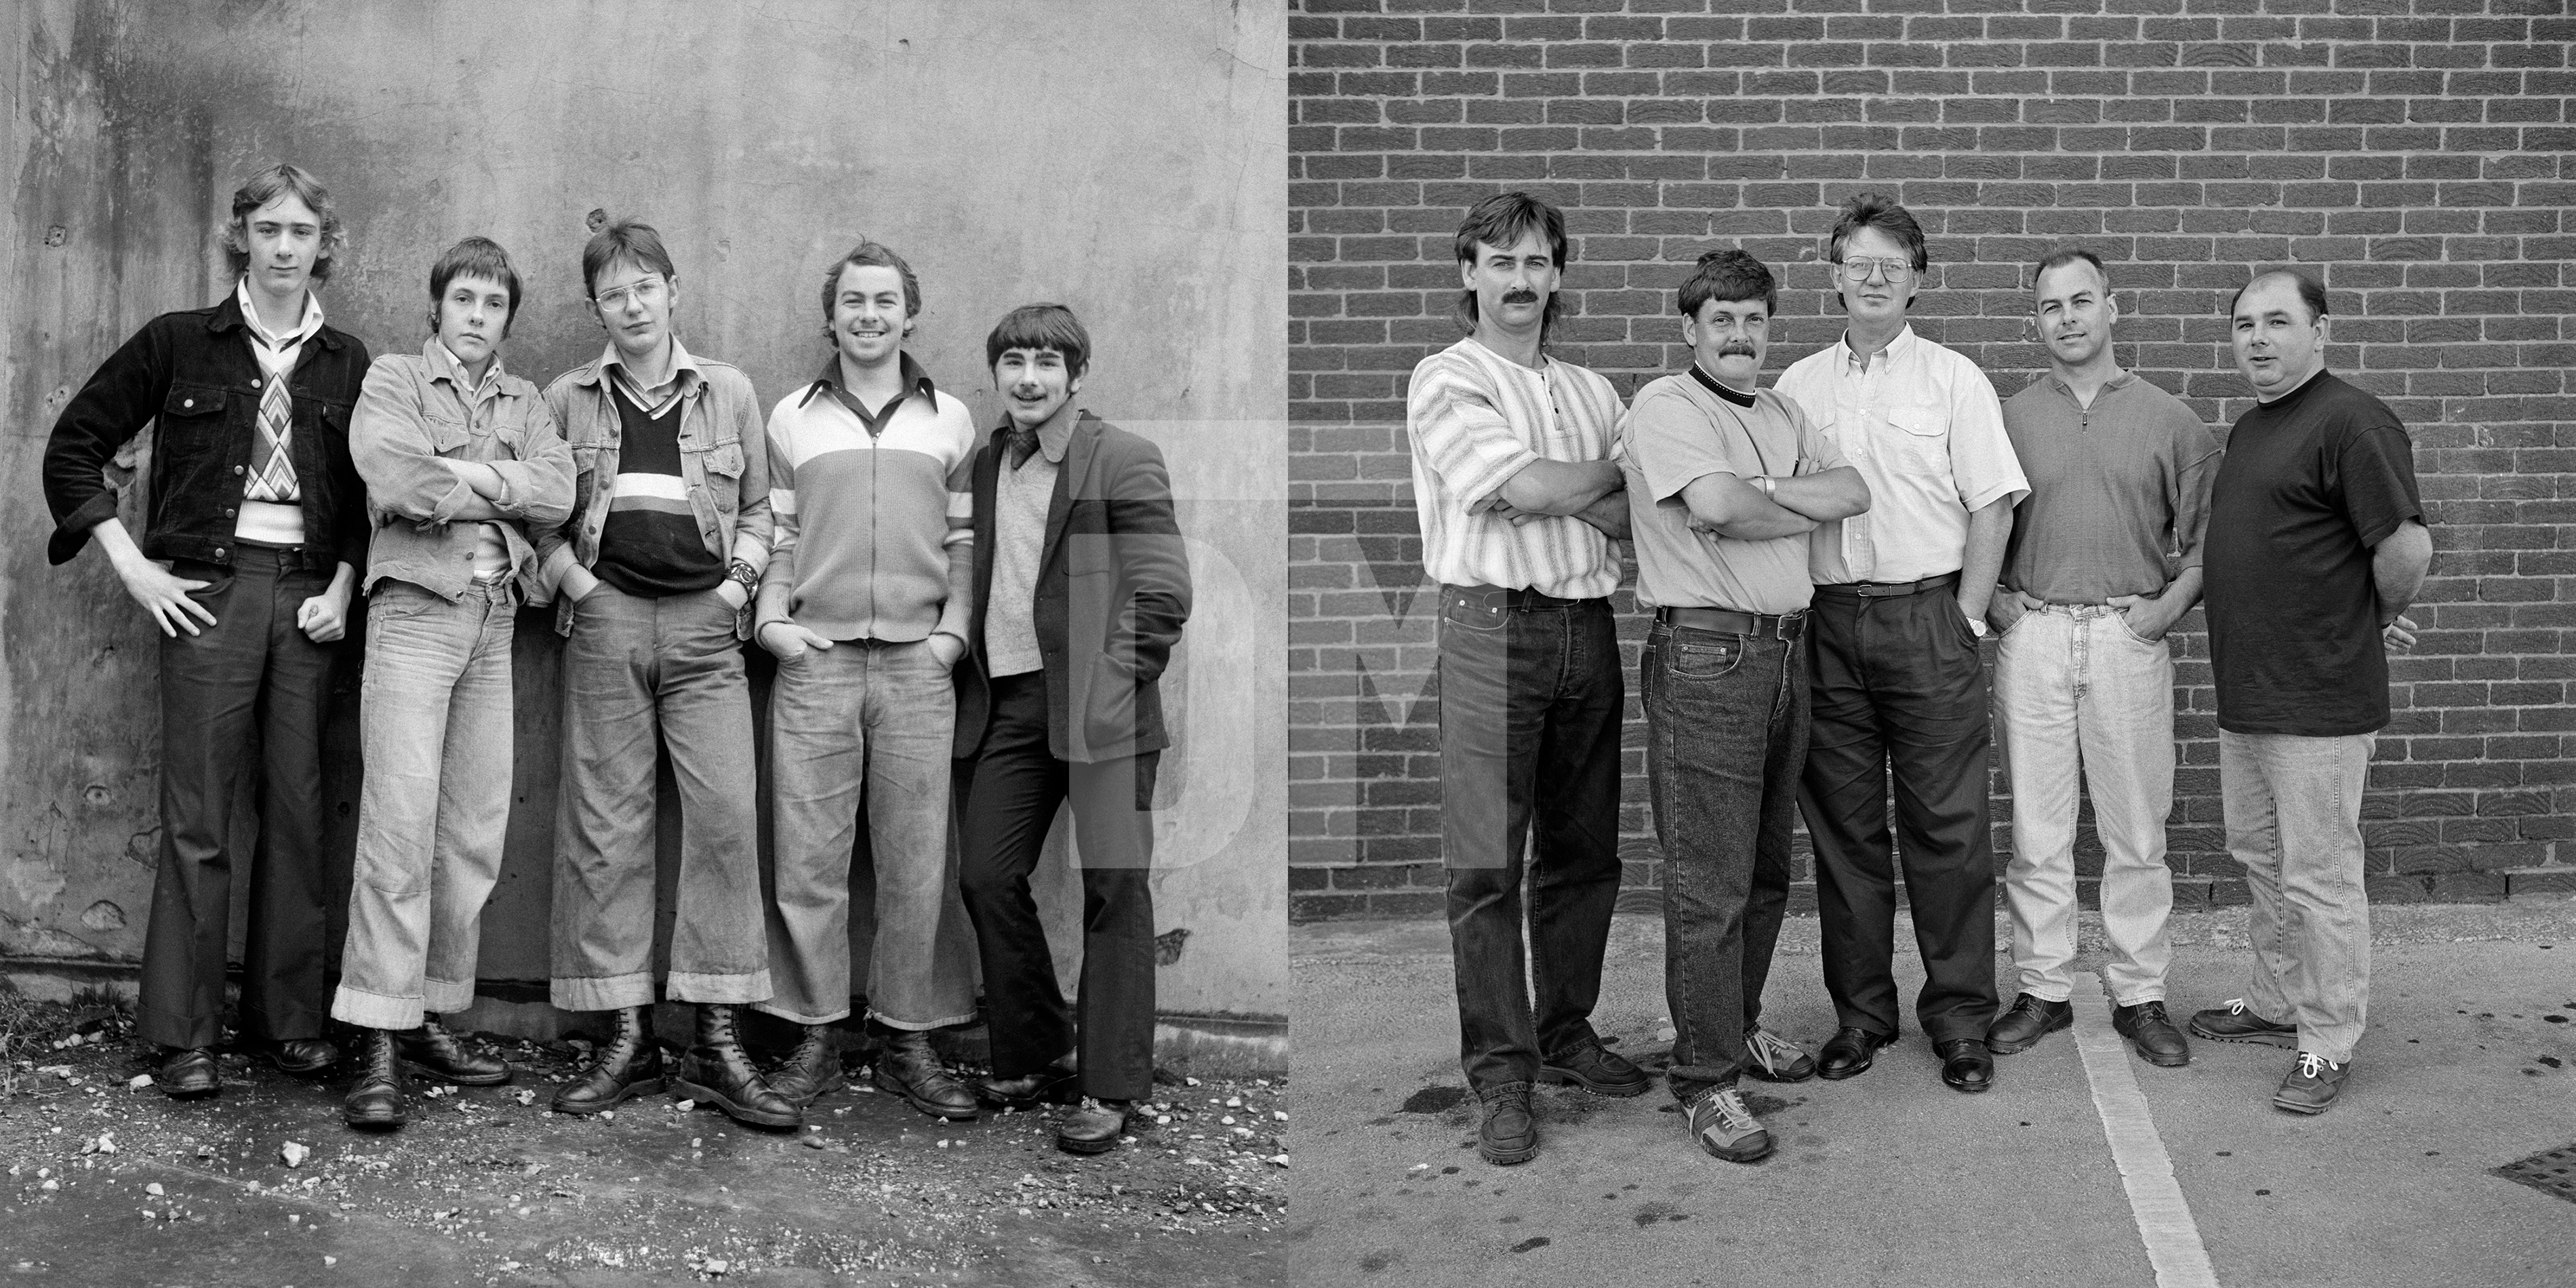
{"x":108,"y":1181}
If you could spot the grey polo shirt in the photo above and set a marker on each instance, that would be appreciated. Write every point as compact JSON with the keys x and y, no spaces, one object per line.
{"x":1676,"y":432}
{"x":2114,"y":488}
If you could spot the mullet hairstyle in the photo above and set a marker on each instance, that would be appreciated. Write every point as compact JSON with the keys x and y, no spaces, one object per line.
{"x":624,"y":239}
{"x":473,"y":257}
{"x":2311,"y":292}
{"x":283,"y":179}
{"x":1040,"y":326}
{"x":2065,"y":255}
{"x":1728,"y":275}
{"x":872,"y":254}
{"x":1501,"y":221}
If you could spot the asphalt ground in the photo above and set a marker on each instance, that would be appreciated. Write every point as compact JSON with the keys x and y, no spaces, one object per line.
{"x":1891,"y":1178}
{"x":482,"y":1189}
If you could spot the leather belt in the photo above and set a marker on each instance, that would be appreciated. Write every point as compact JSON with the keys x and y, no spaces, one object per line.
{"x":1727,"y":621}
{"x":1889,"y":589}
{"x":1502,"y":597}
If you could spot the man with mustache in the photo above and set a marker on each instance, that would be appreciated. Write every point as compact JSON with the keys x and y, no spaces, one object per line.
{"x":1734,"y":479}
{"x":2119,"y":476}
{"x":2316,"y":546}
{"x":864,"y":606}
{"x":1900,"y":607}
{"x":255,"y":524}
{"x":1519,"y":502}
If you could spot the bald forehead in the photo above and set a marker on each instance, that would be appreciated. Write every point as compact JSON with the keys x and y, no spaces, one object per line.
{"x":2270,"y":293}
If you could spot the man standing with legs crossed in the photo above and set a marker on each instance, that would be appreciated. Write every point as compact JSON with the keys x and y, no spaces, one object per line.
{"x":2316,"y":546}
{"x":2119,"y":475}
{"x":1519,"y":502}
{"x":1733,"y":480}
{"x":1900,"y":607}
{"x":864,"y":604}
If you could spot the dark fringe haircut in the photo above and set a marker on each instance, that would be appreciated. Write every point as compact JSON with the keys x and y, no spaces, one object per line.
{"x":1040,"y":326}
{"x":1728,"y":274}
{"x":627,"y":239}
{"x":474,"y":257}
{"x":267,"y":186}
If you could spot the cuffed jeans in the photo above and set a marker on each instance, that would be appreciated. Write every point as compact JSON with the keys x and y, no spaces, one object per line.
{"x":1015,"y":785}
{"x":251,"y":676}
{"x":880,"y":716}
{"x":2076,"y":688}
{"x":435,"y":723}
{"x":1530,"y":704}
{"x":1900,"y":692}
{"x":2294,"y":821}
{"x":1726,"y":731}
{"x":633,"y":669}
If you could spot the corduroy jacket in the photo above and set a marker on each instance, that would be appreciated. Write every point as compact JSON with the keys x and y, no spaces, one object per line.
{"x":194,"y":374}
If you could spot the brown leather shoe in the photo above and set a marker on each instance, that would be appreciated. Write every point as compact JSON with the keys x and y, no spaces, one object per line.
{"x":187,"y":1073}
{"x":629,"y":1066}
{"x":811,"y":1071}
{"x":436,"y":1052}
{"x":1093,"y":1127}
{"x":716,"y":1071}
{"x":910,"y":1069}
{"x":376,"y":1100}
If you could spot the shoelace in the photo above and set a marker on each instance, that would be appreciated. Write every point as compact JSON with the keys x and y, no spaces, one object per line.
{"x":2236,"y":1006}
{"x":2312,"y":1064}
{"x":1731,"y":1111}
{"x":1770,"y":1050}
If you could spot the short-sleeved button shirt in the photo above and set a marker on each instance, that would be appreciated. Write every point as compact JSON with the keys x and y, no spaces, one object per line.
{"x":1922,"y":425}
{"x":1676,"y":433}
{"x":1474,"y":419}
{"x":2312,"y":482}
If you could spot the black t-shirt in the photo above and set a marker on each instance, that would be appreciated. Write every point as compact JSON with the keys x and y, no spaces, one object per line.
{"x":650,"y":546}
{"x":2310,"y":484}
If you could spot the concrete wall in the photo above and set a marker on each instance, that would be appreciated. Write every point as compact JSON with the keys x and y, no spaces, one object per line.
{"x":1125,"y":160}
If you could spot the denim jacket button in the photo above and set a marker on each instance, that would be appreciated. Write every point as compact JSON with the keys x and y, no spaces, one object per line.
{"x":187,"y":402}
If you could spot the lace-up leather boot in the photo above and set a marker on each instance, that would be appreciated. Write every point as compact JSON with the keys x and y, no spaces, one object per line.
{"x":908,"y":1067}
{"x":715,"y":1070}
{"x":629,"y":1066}
{"x":376,"y":1099}
{"x":811,"y":1071}
{"x":436,"y":1052}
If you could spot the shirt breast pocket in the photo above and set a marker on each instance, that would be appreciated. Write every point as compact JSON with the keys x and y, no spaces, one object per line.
{"x":447,"y":431}
{"x":1923,"y":435}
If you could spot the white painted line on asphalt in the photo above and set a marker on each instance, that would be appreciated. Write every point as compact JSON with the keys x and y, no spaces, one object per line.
{"x":2155,"y":1198}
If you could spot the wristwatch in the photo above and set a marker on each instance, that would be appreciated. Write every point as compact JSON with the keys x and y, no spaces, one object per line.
{"x":740,"y":572}
{"x":1977,"y":627}
{"x":1766,"y":485}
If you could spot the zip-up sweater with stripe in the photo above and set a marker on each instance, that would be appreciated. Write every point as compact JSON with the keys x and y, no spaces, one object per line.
{"x":873,"y":513}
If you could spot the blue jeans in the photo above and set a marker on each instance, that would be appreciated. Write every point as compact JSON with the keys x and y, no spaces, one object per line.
{"x":1530,"y":703}
{"x":636,"y":668}
{"x":1726,"y":733}
{"x":436,"y":726}
{"x":2294,"y":821}
{"x":879,"y":716}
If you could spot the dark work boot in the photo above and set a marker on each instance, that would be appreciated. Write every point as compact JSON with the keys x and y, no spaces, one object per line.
{"x":376,"y":1099}
{"x":629,"y":1066}
{"x":716,"y":1071}
{"x":436,"y":1052}
{"x":908,"y":1067}
{"x":1055,"y":1084}
{"x":811,"y":1071}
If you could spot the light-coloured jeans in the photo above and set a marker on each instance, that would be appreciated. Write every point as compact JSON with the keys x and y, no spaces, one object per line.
{"x":878,"y":715}
{"x":633,"y":669}
{"x":2294,"y":821}
{"x":2078,"y":691}
{"x":435,"y":725}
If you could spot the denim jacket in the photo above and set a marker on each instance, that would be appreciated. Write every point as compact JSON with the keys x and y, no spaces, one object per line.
{"x":724,"y":463}
{"x":192,"y":375}
{"x":413,"y":412}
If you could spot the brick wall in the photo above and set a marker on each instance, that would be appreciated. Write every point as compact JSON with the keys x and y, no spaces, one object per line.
{"x":2420,"y":154}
